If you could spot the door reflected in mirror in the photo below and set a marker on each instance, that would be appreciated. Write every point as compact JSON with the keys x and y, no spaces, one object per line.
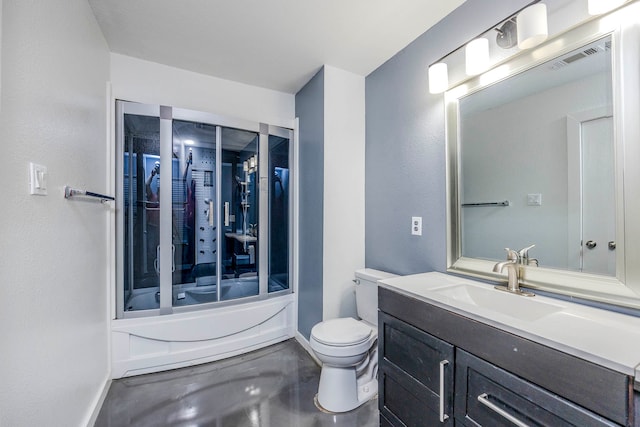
{"x":543,"y":140}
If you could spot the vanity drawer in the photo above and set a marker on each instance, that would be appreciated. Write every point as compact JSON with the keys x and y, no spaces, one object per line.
{"x":487,"y":396}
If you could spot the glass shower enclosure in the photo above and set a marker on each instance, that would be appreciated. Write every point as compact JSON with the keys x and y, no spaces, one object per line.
{"x":204,"y":210}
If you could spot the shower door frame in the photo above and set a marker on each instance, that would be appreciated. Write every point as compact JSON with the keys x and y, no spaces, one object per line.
{"x":167,"y":114}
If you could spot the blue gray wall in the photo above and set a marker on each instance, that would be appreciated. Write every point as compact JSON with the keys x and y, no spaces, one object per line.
{"x":405,"y":144}
{"x":310,"y":111}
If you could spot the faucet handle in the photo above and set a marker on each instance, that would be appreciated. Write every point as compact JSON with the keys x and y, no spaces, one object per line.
{"x":524,"y":253}
{"x":511,"y":254}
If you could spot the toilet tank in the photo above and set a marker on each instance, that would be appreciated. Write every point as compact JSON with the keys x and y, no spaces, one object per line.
{"x":367,"y":293}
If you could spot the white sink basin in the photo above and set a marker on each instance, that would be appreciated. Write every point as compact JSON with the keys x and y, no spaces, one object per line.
{"x":516,"y":306}
{"x":603,"y":337}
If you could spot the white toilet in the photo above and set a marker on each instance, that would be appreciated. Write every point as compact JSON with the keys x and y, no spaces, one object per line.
{"x":348,"y":349}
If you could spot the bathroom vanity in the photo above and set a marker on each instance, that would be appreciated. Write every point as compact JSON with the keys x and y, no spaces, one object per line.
{"x":455,"y":351}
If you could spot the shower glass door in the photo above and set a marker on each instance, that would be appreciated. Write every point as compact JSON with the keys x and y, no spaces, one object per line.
{"x":194,"y":225}
{"x":204,"y":210}
{"x":140,"y":228}
{"x":240,"y":206}
{"x":280,"y":208}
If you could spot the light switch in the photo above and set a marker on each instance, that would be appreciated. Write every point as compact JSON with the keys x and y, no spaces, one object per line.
{"x":534,"y":199}
{"x":416,"y":225}
{"x":37,"y":179}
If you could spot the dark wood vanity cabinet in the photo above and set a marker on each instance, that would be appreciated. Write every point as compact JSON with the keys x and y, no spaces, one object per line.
{"x":415,"y":375}
{"x":440,"y":368}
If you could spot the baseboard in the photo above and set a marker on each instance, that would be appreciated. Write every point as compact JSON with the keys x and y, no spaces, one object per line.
{"x":305,"y":344}
{"x":97,"y":405}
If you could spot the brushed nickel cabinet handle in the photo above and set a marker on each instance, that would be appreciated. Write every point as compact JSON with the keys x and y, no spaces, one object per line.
{"x":443,"y":416}
{"x":484,"y":399}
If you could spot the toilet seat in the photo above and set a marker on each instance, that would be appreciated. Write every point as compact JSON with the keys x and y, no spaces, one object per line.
{"x":341,"y":332}
{"x":342,"y":338}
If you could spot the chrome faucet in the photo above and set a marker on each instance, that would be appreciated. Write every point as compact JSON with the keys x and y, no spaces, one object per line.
{"x":513,"y":273}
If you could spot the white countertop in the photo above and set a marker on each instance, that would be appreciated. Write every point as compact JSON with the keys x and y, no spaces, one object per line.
{"x":603,"y":337}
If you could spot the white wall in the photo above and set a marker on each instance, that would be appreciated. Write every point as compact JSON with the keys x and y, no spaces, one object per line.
{"x":343,"y":222}
{"x":151,"y":83}
{"x":53,"y":263}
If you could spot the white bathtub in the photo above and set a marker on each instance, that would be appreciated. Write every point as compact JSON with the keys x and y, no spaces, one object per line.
{"x":157,"y":343}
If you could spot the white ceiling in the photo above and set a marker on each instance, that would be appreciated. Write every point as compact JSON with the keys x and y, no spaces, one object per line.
{"x":276,"y":44}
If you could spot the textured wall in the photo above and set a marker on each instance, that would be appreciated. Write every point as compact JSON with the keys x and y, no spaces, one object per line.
{"x":310,"y":111}
{"x":405,"y":151}
{"x":53,"y":263}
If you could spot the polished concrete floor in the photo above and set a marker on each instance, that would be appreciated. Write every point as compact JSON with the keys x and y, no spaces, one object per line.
{"x":271,"y":387}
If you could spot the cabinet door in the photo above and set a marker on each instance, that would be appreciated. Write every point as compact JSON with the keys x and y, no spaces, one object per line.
{"x":489,"y":396}
{"x":415,"y":375}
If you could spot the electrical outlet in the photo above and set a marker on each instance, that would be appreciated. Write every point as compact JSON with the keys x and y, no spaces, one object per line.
{"x":416,"y":225}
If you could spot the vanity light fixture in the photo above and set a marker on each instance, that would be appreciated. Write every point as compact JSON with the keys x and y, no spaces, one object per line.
{"x":526,"y":28}
{"x":438,"y":78}
{"x":532,"y":26}
{"x":476,"y":55}
{"x":598,"y":7}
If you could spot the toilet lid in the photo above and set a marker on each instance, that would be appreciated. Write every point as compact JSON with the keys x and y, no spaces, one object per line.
{"x":341,"y":332}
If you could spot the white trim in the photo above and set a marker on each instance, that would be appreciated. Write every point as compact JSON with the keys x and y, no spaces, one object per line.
{"x":295,"y":239}
{"x":305,"y":344}
{"x":112,"y":274}
{"x":97,"y":403}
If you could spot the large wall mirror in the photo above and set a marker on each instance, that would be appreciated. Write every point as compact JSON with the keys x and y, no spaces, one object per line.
{"x":543,"y":150}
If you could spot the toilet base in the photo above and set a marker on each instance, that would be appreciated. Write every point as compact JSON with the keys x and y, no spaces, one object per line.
{"x":340,"y":391}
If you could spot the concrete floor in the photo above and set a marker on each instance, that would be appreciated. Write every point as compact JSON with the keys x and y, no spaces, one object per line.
{"x":271,"y":387}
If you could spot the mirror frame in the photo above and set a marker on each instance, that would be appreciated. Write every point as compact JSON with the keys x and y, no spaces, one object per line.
{"x":624,"y":288}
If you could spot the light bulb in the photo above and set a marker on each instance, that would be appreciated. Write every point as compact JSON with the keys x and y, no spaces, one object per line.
{"x":476,"y":56}
{"x":532,"y":26}
{"x":438,"y":78}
